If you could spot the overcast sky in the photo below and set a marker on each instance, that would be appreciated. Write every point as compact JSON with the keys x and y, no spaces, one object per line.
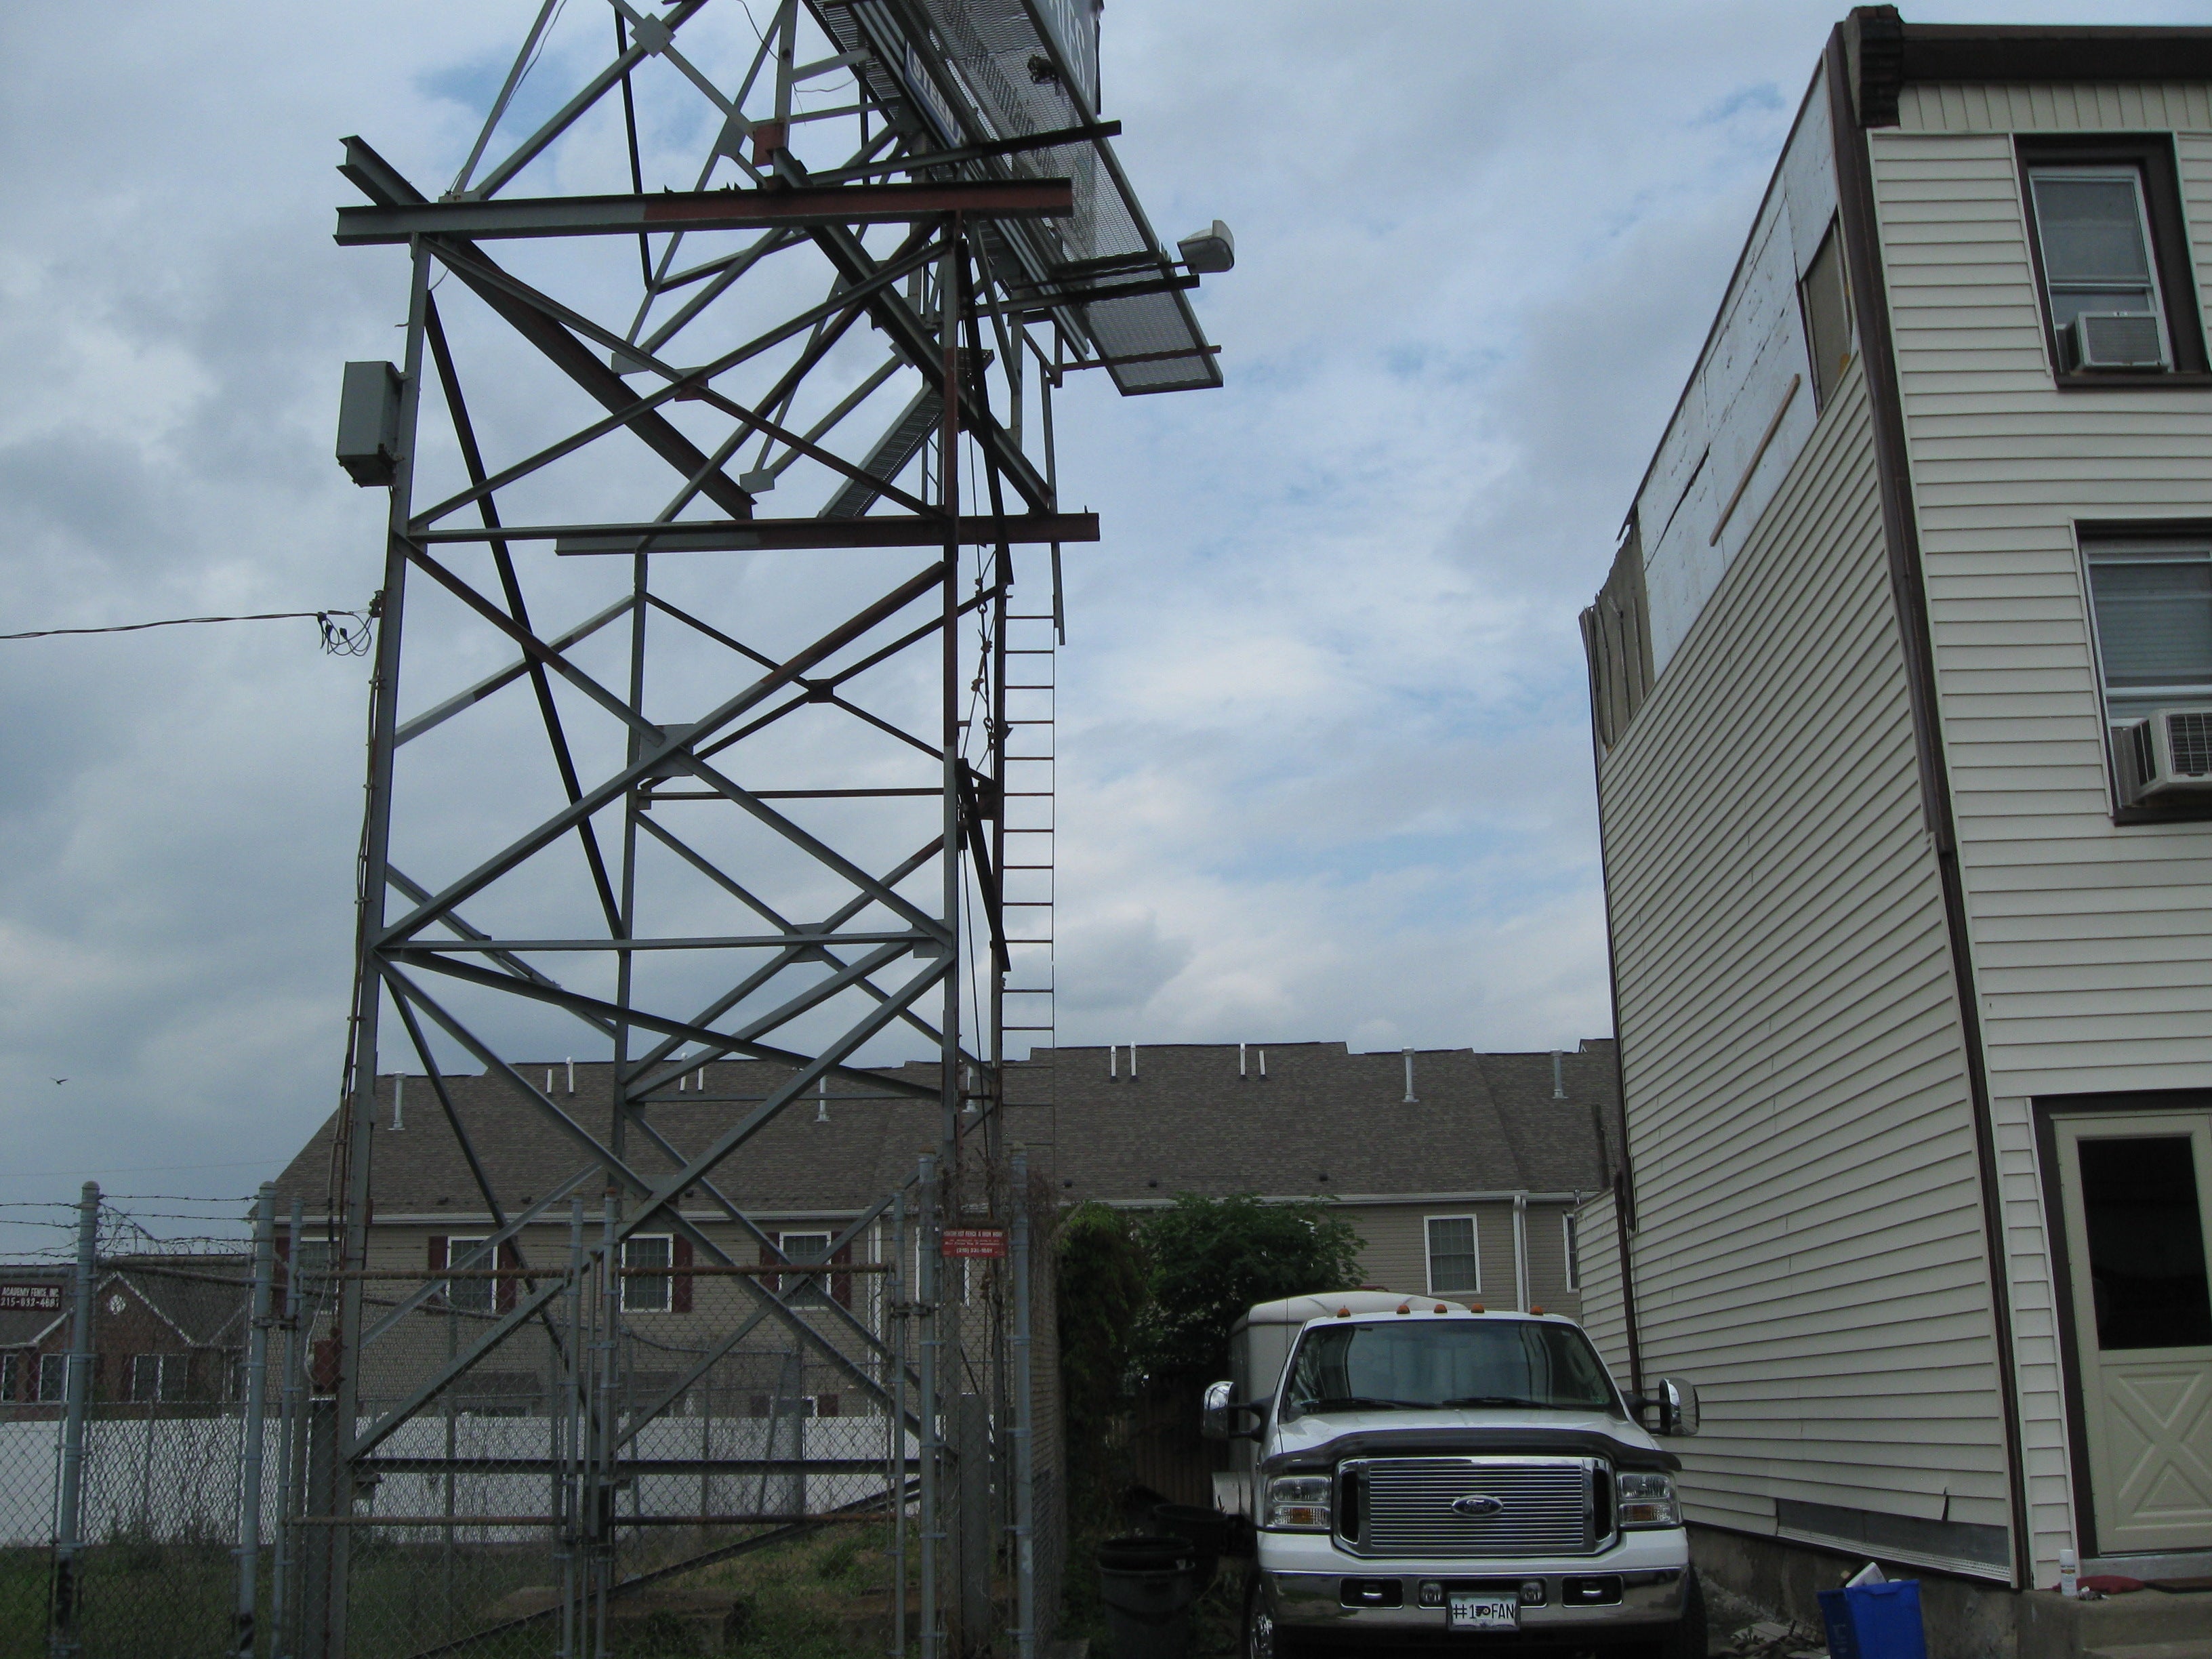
{"x":1326,"y":767}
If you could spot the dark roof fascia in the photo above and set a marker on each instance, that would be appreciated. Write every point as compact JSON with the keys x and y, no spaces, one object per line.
{"x":1504,"y":1195}
{"x":1986,"y":52}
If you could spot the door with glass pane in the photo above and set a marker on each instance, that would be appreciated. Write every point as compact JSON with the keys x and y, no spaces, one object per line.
{"x":2134,"y":1190}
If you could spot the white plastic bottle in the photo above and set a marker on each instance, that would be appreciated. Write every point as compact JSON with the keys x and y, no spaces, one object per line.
{"x":2069,"y":1574}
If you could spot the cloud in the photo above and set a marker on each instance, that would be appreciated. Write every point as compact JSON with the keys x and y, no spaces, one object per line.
{"x":1323,"y":759}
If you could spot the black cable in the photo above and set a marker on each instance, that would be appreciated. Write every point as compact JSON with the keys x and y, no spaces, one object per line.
{"x":345,"y":633}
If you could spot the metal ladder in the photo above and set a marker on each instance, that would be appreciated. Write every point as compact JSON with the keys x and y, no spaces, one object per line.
{"x":1029,"y":810}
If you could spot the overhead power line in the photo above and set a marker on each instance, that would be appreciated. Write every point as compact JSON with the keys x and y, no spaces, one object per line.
{"x":345,"y":633}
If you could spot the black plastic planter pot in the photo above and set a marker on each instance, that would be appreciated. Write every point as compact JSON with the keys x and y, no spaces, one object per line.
{"x":1209,"y":1532}
{"x":1148,"y":1585}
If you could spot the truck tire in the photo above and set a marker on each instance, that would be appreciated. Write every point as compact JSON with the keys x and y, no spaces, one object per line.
{"x":1687,"y":1638}
{"x":1262,"y":1638}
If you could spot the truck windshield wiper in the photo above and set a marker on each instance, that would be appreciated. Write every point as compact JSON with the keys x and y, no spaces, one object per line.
{"x":1494,"y":1400}
{"x":1361,"y":1403}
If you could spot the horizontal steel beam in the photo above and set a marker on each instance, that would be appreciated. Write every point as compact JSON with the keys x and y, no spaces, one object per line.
{"x":630,"y":1465}
{"x":976,"y":530}
{"x":705,"y":209}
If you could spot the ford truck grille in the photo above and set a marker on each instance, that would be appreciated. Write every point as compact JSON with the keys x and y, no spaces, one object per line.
{"x":1474,"y":1507}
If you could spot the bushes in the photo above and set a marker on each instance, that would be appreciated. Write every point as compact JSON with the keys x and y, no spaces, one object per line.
{"x":1209,"y":1259}
{"x":1150,"y":1297}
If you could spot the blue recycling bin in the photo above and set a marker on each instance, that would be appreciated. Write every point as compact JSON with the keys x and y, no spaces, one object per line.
{"x":1874,"y":1621}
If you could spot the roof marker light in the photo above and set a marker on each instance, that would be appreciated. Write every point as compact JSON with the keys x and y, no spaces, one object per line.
{"x":1442,"y":1309}
{"x":1405,"y":1307}
{"x":1344,"y":1313}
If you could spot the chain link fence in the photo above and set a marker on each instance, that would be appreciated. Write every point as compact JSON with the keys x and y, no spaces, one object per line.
{"x":558,"y":1459}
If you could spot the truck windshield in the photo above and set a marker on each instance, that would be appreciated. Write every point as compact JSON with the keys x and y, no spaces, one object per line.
{"x":1425,"y":1367}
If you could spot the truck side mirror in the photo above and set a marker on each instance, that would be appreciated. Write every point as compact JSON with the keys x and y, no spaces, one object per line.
{"x":1217,"y":1418}
{"x":1677,"y":1402}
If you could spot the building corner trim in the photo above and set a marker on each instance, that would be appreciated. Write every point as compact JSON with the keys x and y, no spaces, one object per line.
{"x":1908,"y":589}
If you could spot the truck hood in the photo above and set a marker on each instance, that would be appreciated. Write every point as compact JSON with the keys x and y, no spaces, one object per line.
{"x":1323,"y":1440}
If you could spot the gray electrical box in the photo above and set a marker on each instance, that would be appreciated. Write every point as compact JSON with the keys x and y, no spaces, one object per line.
{"x":368,"y":422}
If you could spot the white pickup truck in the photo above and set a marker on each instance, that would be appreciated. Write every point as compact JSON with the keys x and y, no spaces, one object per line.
{"x":1421,"y":1472}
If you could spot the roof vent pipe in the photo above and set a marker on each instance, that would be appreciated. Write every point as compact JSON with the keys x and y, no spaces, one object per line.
{"x":1113,"y":1062}
{"x":1409,"y":1099}
{"x":1133,"y":1062}
{"x":822,"y":1098}
{"x":1558,"y":1076}
{"x":1239,"y":1063}
{"x":572,"y":1074}
{"x":399,"y":1102}
{"x":1263,"y":1065}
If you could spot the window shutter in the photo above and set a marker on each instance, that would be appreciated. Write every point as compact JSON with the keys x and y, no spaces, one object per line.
{"x":758,"y":1404}
{"x":679,"y":1289}
{"x":502,"y":1289}
{"x":825,"y":1405}
{"x":841,"y":1288}
{"x":770,"y":1281}
{"x":439,"y":1259}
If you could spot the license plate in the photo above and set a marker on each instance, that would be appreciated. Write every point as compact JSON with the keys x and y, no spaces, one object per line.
{"x":1499,"y":1613}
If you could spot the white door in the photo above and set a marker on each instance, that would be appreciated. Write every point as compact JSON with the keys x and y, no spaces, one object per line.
{"x":2134,"y":1188}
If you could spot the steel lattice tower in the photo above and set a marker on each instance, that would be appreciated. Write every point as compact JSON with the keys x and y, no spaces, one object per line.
{"x":715,"y":499}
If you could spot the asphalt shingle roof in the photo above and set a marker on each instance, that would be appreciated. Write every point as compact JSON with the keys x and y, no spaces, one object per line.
{"x":1323,"y":1121}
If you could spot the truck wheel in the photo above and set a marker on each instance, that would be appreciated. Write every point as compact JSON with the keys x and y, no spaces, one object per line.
{"x":1687,"y":1639}
{"x":1263,"y":1638}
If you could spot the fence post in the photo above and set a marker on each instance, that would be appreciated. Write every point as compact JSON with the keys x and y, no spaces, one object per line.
{"x":287,"y":1436}
{"x":69,"y":1533}
{"x":257,"y":1397}
{"x":1025,"y":1528}
{"x":895,"y":1319}
{"x":932,"y":1521}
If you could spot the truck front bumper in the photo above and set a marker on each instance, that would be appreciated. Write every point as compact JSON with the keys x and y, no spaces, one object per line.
{"x":1634,"y":1591}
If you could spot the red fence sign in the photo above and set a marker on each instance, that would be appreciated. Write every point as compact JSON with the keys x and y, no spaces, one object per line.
{"x":988,"y":1241}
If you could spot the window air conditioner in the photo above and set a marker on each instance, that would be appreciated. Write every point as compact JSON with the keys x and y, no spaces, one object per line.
{"x":2117,"y":339}
{"x":2167,"y":754}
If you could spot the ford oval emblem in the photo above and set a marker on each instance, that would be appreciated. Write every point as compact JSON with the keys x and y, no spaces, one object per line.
{"x":1477,"y":1504}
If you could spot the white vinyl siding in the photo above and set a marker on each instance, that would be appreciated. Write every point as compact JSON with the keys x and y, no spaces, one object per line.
{"x":2090,"y":941}
{"x":1810,"y":1247}
{"x":1602,"y":1314}
{"x":2047,"y":106}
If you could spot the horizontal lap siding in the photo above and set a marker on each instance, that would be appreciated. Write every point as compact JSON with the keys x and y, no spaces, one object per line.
{"x":1809,"y":1243}
{"x":2091,"y":943}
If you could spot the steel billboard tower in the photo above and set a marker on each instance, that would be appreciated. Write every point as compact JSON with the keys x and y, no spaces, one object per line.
{"x":724,"y":521}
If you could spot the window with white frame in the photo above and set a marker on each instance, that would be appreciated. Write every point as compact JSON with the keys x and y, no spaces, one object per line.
{"x":2150,"y":608}
{"x":1455,"y":1262}
{"x":11,"y":1375}
{"x":53,"y":1378}
{"x":474,"y":1294}
{"x":1570,"y":1228}
{"x":156,"y":1376}
{"x":2094,"y":233}
{"x":805,"y":1247}
{"x":2111,"y":247}
{"x":648,"y":1285}
{"x":2151,"y":604}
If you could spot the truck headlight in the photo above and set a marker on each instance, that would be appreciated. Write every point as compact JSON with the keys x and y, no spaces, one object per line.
{"x":1647,"y":1500}
{"x":1297,"y":1503}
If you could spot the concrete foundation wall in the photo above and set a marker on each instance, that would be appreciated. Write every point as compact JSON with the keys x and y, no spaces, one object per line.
{"x":1965,"y":1618}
